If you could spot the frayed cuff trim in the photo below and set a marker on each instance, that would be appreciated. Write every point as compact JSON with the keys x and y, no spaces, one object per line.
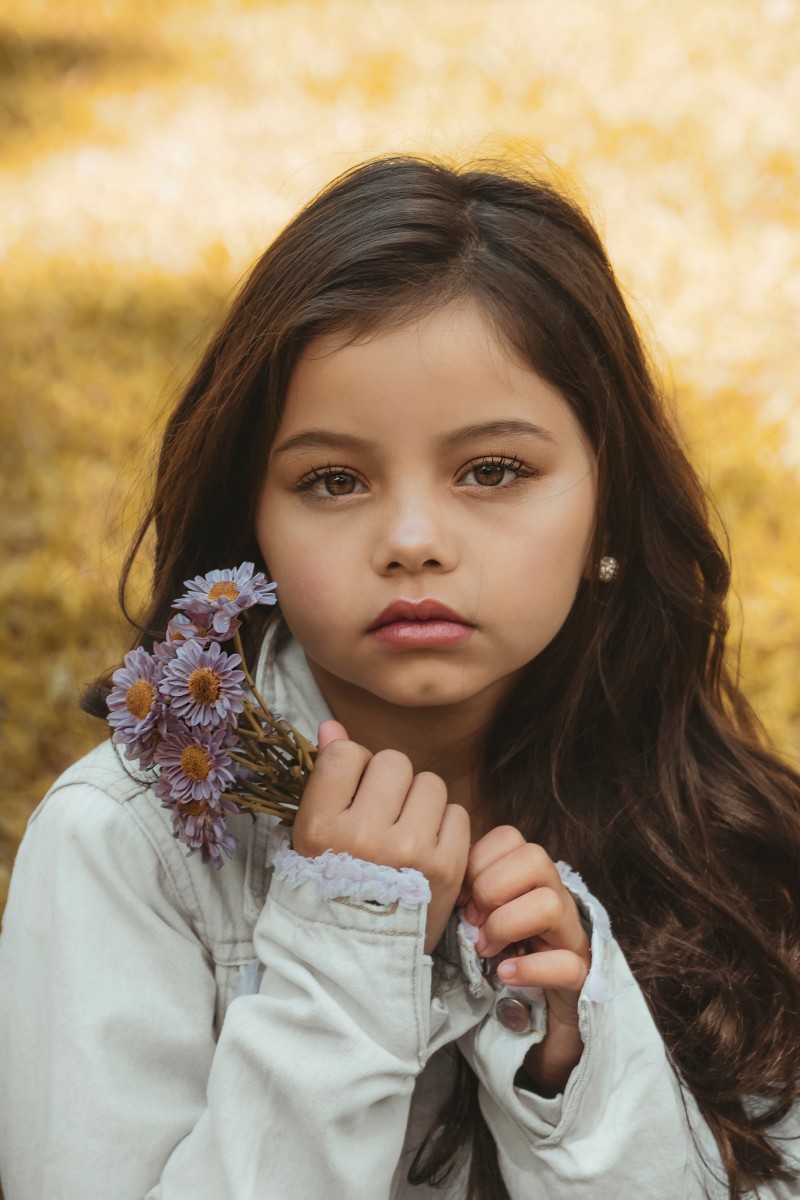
{"x":597,"y":986}
{"x":340,"y":876}
{"x":601,"y":925}
{"x":467,"y":936}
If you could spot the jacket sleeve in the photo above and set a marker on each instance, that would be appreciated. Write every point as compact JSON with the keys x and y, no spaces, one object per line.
{"x":113,"y":1083}
{"x":624,"y":1125}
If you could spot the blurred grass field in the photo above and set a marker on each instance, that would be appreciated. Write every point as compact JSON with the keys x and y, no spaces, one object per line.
{"x":148,"y":152}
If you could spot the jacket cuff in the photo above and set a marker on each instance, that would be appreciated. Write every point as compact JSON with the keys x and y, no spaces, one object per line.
{"x":320,"y":938}
{"x":342,"y":877}
{"x":598,"y":985}
{"x":499,"y":1053}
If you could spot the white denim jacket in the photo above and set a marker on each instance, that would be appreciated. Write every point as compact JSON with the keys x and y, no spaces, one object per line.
{"x":171,"y":1032}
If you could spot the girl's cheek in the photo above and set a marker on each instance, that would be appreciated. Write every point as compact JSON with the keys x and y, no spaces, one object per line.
{"x":310,"y":583}
{"x":563,"y":533}
{"x":554,"y":555}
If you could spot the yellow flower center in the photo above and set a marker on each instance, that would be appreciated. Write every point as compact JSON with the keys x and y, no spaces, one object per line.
{"x":196,"y":763}
{"x":224,"y":587}
{"x":204,"y":686}
{"x":139,"y":698}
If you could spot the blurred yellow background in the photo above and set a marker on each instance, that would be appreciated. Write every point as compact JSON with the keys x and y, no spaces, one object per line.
{"x":151,"y":149}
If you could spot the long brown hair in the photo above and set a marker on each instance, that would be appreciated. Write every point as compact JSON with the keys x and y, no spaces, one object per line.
{"x":627,"y":748}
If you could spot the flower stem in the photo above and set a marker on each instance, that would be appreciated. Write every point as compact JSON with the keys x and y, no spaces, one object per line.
{"x":304,"y":750}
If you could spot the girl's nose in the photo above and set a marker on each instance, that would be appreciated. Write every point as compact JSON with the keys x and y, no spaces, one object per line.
{"x":414,"y":537}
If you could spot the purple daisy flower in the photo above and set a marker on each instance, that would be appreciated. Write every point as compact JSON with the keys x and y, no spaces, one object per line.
{"x":203,"y":685}
{"x":200,"y":824}
{"x":142,"y":749}
{"x":179,"y":631}
{"x":136,"y":711}
{"x":183,"y":629}
{"x":195,"y":765}
{"x":215,"y":600}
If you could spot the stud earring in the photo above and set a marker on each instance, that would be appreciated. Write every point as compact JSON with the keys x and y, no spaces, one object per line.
{"x":607,"y":569}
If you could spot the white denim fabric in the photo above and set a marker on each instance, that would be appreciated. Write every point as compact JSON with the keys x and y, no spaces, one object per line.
{"x":170,"y":1032}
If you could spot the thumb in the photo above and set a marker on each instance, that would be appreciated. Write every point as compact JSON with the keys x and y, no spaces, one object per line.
{"x":331,"y":731}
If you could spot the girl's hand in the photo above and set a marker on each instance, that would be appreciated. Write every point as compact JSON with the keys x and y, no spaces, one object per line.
{"x":513,"y":893}
{"x":374,"y":807}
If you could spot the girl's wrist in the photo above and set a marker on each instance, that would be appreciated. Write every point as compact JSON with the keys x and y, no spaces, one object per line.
{"x":534,"y":1076}
{"x":548,"y":1064}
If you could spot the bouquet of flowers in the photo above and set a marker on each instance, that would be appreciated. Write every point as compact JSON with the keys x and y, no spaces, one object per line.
{"x":191,"y":713}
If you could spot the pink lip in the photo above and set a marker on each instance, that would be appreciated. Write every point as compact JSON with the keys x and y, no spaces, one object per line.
{"x":420,"y":624}
{"x":417,"y":610}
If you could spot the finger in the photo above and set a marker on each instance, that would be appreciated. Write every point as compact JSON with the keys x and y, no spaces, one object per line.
{"x":549,"y":969}
{"x":334,"y":780}
{"x":328,"y":793}
{"x":330,"y":731}
{"x":452,"y":845}
{"x":423,"y":808}
{"x":543,"y":913}
{"x":494,"y":844}
{"x":521,"y":870}
{"x":382,"y":791}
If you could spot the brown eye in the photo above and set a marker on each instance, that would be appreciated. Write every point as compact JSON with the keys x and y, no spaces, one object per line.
{"x":490,"y":473}
{"x":498,"y":473}
{"x":329,"y":483}
{"x":339,"y":484}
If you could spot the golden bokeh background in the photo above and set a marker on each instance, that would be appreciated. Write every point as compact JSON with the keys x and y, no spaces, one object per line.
{"x":151,"y":148}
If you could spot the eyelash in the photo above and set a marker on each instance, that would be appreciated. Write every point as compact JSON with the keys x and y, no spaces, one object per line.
{"x":510,"y":462}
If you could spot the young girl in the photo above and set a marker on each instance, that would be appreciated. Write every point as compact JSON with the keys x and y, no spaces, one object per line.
{"x":535,"y":930}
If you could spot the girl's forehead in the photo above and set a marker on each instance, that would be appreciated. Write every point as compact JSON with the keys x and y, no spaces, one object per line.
{"x":441,"y":338}
{"x":448,"y":367}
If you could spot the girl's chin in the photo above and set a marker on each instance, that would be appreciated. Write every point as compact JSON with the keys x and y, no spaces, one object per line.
{"x":424,"y":694}
{"x":398,"y":682}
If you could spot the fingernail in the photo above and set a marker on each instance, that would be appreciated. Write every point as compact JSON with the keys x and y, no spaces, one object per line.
{"x":480,"y":945}
{"x":507,"y":969}
{"x":471,"y":914}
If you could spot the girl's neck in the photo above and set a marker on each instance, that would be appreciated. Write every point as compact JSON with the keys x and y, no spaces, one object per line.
{"x":445,"y":740}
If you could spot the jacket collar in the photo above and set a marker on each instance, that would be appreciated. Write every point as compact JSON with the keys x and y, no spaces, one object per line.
{"x":287,"y":686}
{"x":284,"y":680}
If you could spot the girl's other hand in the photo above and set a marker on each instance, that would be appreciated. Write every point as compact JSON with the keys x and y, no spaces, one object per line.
{"x":513,"y":893}
{"x":374,"y":807}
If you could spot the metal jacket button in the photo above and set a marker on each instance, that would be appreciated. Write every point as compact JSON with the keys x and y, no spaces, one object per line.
{"x":514,"y":1014}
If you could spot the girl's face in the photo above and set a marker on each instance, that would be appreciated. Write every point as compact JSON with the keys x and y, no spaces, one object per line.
{"x":427,"y":462}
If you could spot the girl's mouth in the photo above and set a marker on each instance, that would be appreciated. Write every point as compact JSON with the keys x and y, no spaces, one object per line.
{"x":421,"y":624}
{"x":434,"y":634}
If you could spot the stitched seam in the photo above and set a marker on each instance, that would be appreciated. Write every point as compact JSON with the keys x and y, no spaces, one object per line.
{"x":238,"y":962}
{"x":126,"y":805}
{"x":195,"y":910}
{"x":570,"y":1108}
{"x":419,"y":1011}
{"x":415,"y":994}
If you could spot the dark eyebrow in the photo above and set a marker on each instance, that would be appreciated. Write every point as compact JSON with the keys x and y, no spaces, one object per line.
{"x":321,"y":439}
{"x":318,"y":439}
{"x":512,"y":428}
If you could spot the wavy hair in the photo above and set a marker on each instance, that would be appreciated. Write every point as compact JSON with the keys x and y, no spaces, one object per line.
{"x":651,"y":774}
